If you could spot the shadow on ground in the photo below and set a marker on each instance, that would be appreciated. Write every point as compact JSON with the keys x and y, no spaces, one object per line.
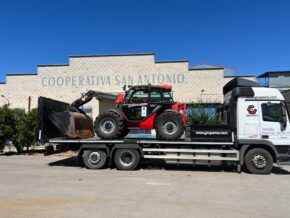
{"x":67,"y":162}
{"x":29,"y":152}
{"x":279,"y":170}
{"x":161,"y":165}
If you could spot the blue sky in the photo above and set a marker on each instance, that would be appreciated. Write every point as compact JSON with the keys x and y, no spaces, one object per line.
{"x":252,"y":36}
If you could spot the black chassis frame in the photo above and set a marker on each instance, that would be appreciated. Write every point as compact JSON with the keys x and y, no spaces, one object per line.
{"x":241,"y":145}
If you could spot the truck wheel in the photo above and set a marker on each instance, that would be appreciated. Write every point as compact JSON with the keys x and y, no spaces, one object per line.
{"x":258,"y":161}
{"x":94,"y":159}
{"x":169,"y":125}
{"x":109,"y":125}
{"x":126,"y":159}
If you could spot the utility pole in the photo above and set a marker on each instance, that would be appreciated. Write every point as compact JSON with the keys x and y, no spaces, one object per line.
{"x":8,"y":102}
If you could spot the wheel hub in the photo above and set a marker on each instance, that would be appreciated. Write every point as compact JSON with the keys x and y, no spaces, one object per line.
{"x":108,"y":126}
{"x":126,"y":158}
{"x":259,"y":161}
{"x":94,"y":157}
{"x":169,"y":127}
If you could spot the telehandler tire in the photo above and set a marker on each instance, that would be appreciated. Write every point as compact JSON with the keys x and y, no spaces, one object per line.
{"x":169,"y":125}
{"x":109,"y":125}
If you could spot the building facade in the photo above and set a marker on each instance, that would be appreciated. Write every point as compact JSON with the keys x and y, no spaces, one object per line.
{"x":108,"y":73}
{"x":276,"y":79}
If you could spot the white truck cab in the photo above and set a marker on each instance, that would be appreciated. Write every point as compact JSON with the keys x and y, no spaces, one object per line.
{"x":260,"y":120}
{"x":263,"y":117}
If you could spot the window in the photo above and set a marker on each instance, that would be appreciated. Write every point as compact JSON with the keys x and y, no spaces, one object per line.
{"x":140,"y":96}
{"x":155,"y":96}
{"x":272,"y":112}
{"x":167,"y":97}
{"x":127,"y":96}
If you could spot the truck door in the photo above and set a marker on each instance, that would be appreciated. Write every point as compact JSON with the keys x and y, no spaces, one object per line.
{"x":248,"y":119}
{"x":274,"y":122}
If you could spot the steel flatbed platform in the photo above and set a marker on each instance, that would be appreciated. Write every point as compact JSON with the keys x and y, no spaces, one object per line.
{"x":96,"y":140}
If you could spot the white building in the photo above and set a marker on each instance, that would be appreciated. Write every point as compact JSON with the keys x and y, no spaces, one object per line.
{"x":108,"y":73}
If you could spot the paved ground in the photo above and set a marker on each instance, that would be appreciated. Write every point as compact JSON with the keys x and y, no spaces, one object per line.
{"x":38,"y":186}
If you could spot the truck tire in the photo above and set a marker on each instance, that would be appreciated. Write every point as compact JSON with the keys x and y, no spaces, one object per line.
{"x":109,"y":125}
{"x":126,"y":159}
{"x":258,"y":161}
{"x":169,"y":125}
{"x":94,"y":159}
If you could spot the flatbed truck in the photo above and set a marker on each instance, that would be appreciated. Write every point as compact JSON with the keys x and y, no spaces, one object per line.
{"x":255,"y":135}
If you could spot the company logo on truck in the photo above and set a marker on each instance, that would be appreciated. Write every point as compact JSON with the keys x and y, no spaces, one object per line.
{"x":252,"y":110}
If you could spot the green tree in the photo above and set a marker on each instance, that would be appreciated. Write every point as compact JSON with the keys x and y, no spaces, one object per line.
{"x":17,"y":127}
{"x":6,"y":126}
{"x":26,"y":130}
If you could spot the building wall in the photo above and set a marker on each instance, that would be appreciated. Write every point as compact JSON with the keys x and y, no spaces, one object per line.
{"x":109,"y":74}
{"x":279,"y":80}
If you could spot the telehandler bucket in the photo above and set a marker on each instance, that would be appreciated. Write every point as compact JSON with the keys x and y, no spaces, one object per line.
{"x":55,"y":120}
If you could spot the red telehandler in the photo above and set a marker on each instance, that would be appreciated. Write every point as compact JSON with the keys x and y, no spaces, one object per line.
{"x":143,"y":107}
{"x":140,"y":107}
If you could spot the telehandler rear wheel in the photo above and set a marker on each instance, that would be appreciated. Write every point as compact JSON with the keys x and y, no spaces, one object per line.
{"x":169,"y":125}
{"x":109,"y":125}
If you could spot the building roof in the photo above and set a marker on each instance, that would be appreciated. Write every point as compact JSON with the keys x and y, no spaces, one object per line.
{"x":266,"y":74}
{"x":207,"y":66}
{"x":21,"y":74}
{"x":243,"y":75}
{"x":111,"y":55}
{"x":228,"y":71}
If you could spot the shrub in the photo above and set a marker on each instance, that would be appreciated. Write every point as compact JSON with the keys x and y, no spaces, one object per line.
{"x":199,"y":113}
{"x":7,"y":126}
{"x":17,"y":128}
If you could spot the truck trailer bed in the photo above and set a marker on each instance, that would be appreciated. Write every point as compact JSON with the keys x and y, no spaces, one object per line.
{"x":96,"y":140}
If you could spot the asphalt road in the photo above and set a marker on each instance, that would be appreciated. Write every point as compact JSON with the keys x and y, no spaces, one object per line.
{"x":52,"y":186}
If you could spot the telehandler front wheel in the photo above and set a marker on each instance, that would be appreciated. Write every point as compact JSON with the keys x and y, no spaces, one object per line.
{"x":109,"y":125}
